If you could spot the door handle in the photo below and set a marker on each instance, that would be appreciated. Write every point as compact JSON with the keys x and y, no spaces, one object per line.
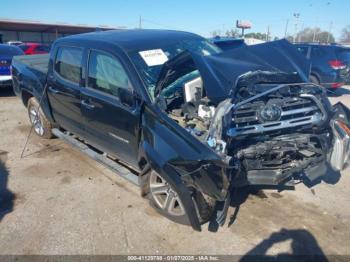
{"x":87,"y":104}
{"x":53,"y":90}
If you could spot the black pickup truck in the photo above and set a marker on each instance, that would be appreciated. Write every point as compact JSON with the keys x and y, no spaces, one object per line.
{"x":182,"y":119}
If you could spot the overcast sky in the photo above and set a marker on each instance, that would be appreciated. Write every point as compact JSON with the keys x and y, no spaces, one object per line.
{"x":197,"y":16}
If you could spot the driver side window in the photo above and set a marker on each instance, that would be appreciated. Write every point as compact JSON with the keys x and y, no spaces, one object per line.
{"x":106,"y":74}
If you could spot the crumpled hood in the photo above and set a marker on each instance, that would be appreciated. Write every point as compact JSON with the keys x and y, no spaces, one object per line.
{"x":273,"y":62}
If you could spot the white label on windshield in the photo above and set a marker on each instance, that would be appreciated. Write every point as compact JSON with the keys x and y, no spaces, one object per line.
{"x":154,"y":57}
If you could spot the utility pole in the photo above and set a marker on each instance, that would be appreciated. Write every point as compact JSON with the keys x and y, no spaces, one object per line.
{"x":268,"y":34}
{"x":301,"y":29}
{"x":314,"y":37}
{"x":140,"y":22}
{"x":223,"y":29}
{"x":286,"y":29}
{"x":296,"y":16}
{"x":329,"y":31}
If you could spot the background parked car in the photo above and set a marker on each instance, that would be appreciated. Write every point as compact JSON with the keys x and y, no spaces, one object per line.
{"x":34,"y":48}
{"x":227,"y":43}
{"x":330,"y":63}
{"x":7,"y":52}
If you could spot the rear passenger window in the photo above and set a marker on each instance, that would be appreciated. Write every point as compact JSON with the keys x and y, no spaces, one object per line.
{"x":105,"y":73}
{"x":68,"y":63}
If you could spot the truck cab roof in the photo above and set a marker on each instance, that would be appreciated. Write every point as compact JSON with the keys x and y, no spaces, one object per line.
{"x":130,"y":40}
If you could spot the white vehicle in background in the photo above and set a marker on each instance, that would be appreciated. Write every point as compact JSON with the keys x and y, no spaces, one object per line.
{"x":16,"y":43}
{"x":253,"y":41}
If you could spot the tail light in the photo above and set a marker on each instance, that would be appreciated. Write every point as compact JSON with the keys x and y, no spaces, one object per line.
{"x":337,"y":64}
{"x":336,"y":85}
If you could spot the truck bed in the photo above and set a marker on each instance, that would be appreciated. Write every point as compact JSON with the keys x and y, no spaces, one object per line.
{"x":38,"y":63}
{"x":30,"y":72}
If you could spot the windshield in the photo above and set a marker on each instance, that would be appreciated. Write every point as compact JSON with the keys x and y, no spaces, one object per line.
{"x":150,"y":74}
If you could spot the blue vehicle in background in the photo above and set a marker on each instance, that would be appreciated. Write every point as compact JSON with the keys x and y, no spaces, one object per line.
{"x":227,"y":43}
{"x":7,"y":52}
{"x":330,"y":63}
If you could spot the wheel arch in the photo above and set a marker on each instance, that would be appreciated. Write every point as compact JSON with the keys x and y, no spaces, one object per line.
{"x":25,"y":96}
{"x":316,"y":75}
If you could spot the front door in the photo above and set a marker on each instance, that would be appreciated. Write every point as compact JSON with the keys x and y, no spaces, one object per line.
{"x":110,"y":124}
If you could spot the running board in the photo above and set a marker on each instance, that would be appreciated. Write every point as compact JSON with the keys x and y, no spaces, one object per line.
{"x":101,"y":158}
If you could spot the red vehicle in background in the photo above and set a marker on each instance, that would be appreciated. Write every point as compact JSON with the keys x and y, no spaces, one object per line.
{"x":34,"y":48}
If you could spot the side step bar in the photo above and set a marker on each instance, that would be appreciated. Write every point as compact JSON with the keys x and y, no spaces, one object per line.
{"x":101,"y":158}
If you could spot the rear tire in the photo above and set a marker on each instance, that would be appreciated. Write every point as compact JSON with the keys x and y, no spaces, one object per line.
{"x":164,"y":198}
{"x":41,"y":125}
{"x":314,"y":79}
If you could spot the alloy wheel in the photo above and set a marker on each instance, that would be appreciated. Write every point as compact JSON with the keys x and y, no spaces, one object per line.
{"x":36,"y":121}
{"x":165,"y":197}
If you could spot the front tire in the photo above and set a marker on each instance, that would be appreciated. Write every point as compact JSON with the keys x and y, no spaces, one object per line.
{"x":41,"y":125}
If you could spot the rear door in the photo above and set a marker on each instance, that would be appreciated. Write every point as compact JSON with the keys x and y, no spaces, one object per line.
{"x":112,"y":123}
{"x":64,"y":87}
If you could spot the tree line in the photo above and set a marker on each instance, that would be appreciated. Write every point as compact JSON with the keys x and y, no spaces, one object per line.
{"x":308,"y":34}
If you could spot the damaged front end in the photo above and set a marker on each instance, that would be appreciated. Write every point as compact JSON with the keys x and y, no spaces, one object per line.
{"x":267,"y":124}
{"x":280,"y":135}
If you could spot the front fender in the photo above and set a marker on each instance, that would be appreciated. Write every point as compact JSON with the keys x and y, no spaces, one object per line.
{"x":195,"y":162}
{"x":157,"y":163}
{"x":182,"y":160}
